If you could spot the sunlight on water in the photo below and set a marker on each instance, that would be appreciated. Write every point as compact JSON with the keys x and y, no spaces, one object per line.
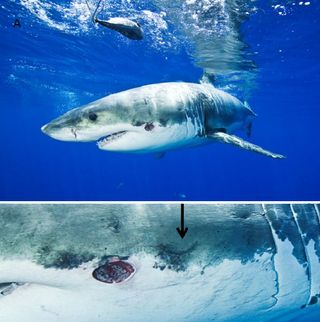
{"x":210,"y":29}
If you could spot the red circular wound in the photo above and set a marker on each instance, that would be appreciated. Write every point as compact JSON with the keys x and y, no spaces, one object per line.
{"x":116,"y":271}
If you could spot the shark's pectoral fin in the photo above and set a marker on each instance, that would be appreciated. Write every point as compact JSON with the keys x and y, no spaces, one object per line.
{"x":232,"y":139}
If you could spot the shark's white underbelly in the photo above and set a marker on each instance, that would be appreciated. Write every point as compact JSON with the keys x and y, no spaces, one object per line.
{"x":159,"y":139}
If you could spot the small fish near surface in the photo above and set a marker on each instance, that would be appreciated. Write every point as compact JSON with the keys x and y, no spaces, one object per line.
{"x":124,"y":26}
{"x":159,"y":117}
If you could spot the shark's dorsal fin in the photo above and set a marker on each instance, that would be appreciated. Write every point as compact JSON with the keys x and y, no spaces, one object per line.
{"x":207,"y":78}
{"x":234,"y":140}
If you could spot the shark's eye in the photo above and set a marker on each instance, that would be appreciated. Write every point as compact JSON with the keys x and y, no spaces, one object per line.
{"x":92,"y":116}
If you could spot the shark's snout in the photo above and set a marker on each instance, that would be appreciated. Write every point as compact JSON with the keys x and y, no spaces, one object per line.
{"x":49,"y":129}
{"x":58,"y":132}
{"x":44,"y":129}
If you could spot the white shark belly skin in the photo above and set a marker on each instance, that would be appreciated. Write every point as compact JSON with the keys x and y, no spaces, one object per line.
{"x":265,"y":271}
{"x":81,"y":298}
{"x":161,"y":139}
{"x":169,"y":295}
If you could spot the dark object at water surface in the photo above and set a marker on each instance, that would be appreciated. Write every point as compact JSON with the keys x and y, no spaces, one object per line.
{"x":126,"y":27}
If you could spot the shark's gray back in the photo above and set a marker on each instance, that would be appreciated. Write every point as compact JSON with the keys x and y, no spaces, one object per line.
{"x":47,"y":233}
{"x":207,"y":107}
{"x":64,"y":236}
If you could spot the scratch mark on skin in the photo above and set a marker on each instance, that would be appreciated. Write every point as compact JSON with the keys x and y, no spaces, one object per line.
{"x":275,"y":295}
{"x":73,"y":131}
{"x":317,"y":212}
{"x":308,"y":266}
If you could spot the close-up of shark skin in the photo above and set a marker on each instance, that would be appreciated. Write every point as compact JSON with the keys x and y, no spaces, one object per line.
{"x":116,"y":262}
{"x":127,"y":190}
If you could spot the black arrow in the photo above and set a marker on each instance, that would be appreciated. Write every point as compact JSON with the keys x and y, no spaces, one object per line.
{"x":182,"y":231}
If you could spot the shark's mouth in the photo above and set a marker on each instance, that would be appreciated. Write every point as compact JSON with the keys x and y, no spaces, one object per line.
{"x":110,"y":138}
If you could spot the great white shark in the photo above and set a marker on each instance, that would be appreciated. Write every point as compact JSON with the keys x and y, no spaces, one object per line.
{"x":249,"y":262}
{"x":158,"y":118}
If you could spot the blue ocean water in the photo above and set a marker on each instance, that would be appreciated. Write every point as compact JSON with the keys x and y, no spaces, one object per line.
{"x":265,"y":52}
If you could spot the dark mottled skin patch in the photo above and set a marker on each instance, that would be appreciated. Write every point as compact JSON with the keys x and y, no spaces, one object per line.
{"x":137,"y":123}
{"x":172,"y":258}
{"x":106,"y":258}
{"x":63,"y":259}
{"x":163,"y":122}
{"x":243,"y":214}
{"x":115,"y":225}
